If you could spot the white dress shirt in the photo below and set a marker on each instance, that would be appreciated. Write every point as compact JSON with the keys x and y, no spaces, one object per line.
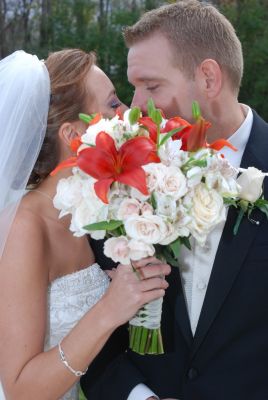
{"x":196,"y":264}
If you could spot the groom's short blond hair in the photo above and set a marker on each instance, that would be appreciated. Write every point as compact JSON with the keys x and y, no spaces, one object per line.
{"x":197,"y":31}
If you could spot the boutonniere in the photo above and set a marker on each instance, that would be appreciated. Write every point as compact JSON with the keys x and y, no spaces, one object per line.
{"x":250,"y":195}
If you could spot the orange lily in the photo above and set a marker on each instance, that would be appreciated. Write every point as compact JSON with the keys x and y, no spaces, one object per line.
{"x":119,"y":112}
{"x":172,"y":123}
{"x":70,"y":162}
{"x":150,"y":125}
{"x":195,"y":137}
{"x":107,"y":164}
{"x":75,"y":144}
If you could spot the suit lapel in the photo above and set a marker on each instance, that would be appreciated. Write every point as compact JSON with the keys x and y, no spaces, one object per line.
{"x":232,"y":250}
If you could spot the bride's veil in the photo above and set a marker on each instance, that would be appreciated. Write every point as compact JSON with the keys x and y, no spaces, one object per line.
{"x":24,"y":102}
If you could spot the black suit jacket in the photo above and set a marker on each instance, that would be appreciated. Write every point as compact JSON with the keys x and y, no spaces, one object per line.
{"x":228,"y":357}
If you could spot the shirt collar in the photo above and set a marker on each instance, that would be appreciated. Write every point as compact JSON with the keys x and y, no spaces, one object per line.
{"x":239,"y":139}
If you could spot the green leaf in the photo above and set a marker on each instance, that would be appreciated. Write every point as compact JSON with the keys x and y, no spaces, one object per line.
{"x":200,"y":163}
{"x":153,"y":201}
{"x":261,"y":202}
{"x":186,"y":242}
{"x":196,"y":112}
{"x":150,"y":107}
{"x":165,"y":253}
{"x":264,"y":208}
{"x":230,"y":202}
{"x":104,"y":225}
{"x":175,"y":247}
{"x":170,"y":134}
{"x":134,"y":115}
{"x":86,"y":118}
{"x":156,"y":116}
{"x":238,"y":221}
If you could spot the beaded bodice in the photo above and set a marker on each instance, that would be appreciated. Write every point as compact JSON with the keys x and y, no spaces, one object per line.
{"x":69,"y":298}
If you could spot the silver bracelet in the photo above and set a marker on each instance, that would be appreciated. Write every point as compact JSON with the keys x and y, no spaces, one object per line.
{"x":65,"y":362}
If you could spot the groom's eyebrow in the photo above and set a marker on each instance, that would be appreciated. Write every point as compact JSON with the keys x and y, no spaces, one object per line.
{"x":148,"y":79}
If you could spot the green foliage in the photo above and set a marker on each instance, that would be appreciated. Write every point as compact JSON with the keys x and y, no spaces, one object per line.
{"x":249,"y":18}
{"x":49,"y":25}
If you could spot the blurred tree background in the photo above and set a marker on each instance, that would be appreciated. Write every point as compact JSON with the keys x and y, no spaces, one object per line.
{"x":41,"y":26}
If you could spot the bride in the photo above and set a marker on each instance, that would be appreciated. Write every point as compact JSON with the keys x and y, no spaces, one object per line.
{"x":57,"y":308}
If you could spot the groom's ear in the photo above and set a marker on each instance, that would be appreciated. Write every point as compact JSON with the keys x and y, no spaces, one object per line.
{"x":209,"y":78}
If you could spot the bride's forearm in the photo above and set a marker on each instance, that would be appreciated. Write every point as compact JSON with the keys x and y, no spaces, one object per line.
{"x":46,"y":377}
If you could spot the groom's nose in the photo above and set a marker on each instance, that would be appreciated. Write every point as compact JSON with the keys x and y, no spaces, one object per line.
{"x":139,"y":100}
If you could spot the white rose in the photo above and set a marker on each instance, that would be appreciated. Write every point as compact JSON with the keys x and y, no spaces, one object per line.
{"x":69,"y":193}
{"x":171,"y":234}
{"x":149,"y":229}
{"x":104,"y":125}
{"x":99,"y":209}
{"x":117,"y":249}
{"x":139,"y":249}
{"x":207,"y":211}
{"x":173,"y":182}
{"x":127,"y":208}
{"x":88,"y":212}
{"x":146,"y":209}
{"x":250,"y":182}
{"x":81,"y":216}
{"x":154,"y":175}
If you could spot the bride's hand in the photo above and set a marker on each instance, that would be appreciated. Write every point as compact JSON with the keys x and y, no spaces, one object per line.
{"x":129,"y":291}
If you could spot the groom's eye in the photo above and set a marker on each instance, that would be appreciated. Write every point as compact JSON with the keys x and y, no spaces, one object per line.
{"x":151,"y":88}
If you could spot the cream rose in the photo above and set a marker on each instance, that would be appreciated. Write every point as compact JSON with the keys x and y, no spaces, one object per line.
{"x":171,"y":234}
{"x":117,"y":249}
{"x":149,"y":229}
{"x":154,"y":175}
{"x":146,"y":209}
{"x":250,"y":182}
{"x":127,"y":208}
{"x":207,"y":211}
{"x":68,"y":194}
{"x":173,"y":183}
{"x":104,"y":125}
{"x":139,"y":249}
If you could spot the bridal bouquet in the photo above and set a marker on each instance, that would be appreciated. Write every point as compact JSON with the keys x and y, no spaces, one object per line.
{"x":147,"y":184}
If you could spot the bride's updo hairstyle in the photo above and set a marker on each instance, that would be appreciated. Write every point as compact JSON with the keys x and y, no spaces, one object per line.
{"x":67,"y":70}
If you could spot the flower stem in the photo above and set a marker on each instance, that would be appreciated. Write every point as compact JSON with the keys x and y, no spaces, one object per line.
{"x":145,"y":341}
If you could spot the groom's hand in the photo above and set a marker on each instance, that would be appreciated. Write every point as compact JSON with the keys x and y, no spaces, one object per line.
{"x":151,"y":267}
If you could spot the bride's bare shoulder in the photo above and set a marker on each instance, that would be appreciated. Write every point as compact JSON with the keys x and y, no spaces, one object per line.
{"x":27,"y":233}
{"x":29,"y":221}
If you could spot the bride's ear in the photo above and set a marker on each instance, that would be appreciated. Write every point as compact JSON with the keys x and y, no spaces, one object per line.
{"x":68,"y":132}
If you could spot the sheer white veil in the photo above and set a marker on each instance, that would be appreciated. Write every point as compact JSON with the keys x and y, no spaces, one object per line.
{"x":24,"y":103}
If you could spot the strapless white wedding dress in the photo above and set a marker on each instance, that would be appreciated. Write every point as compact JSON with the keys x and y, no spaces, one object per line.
{"x":69,"y":298}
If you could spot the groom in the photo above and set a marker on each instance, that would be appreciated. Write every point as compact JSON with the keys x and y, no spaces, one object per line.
{"x":215,"y":315}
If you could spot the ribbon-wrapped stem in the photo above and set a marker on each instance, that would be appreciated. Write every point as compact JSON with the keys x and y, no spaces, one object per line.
{"x":144,"y":329}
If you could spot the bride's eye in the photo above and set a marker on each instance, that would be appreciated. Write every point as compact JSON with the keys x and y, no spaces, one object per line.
{"x":115,"y":103}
